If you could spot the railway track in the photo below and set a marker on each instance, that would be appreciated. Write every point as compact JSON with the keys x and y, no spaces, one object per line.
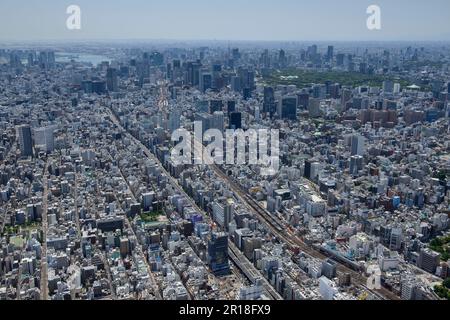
{"x":282,"y":232}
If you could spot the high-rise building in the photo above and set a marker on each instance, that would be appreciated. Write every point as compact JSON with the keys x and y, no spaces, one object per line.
{"x":356,"y":164}
{"x":205,"y":119}
{"x":51,"y":60}
{"x":287,"y":108}
{"x":327,"y":288}
{"x":346,"y":97}
{"x":215,"y":105}
{"x":147,"y":200}
{"x":231,"y":106}
{"x":156,"y":59}
{"x":269,"y":101}
{"x":235,"y":120}
{"x":112,"y":80}
{"x":330,"y":53}
{"x":265,"y":59}
{"x":222,"y":213}
{"x":218,"y":119}
{"x":282,"y":59}
{"x":307,"y":171}
{"x":428,"y":260}
{"x":303,"y":100}
{"x":44,"y":138}
{"x":329,"y":268}
{"x":388,"y":86}
{"x":205,"y":82}
{"x":236,"y":54}
{"x":314,"y":109}
{"x":98,"y":87}
{"x":43,"y":59}
{"x":174,"y":120}
{"x":357,"y":142}
{"x":408,"y":288}
{"x":218,"y":254}
{"x":124,"y":247}
{"x":236,"y":83}
{"x":246,"y":93}
{"x":25,"y":140}
{"x":312,"y":51}
{"x":247,"y":78}
{"x":30,"y":59}
{"x":340,"y":59}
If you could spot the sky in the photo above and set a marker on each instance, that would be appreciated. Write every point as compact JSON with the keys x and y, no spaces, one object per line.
{"x":259,"y":20}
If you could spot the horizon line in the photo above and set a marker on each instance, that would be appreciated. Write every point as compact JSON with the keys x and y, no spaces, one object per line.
{"x":67,"y":40}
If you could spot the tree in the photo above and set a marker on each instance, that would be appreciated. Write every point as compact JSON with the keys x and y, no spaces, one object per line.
{"x":446,"y":283}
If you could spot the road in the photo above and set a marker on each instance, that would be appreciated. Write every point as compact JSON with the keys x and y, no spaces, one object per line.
{"x":44,"y":263}
{"x":75,"y":197}
{"x":139,"y":249}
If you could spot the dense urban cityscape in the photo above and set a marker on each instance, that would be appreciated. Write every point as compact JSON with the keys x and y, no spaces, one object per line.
{"x":94,"y":206}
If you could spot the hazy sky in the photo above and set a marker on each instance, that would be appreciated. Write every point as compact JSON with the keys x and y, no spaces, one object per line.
{"x":225,"y":20}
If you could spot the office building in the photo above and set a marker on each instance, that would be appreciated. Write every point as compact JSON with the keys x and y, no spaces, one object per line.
{"x":329,"y":268}
{"x":112,"y":82}
{"x":218,"y":254}
{"x":205,"y":81}
{"x":269,"y":101}
{"x":287,"y":108}
{"x":357,"y":145}
{"x":330,"y":53}
{"x":44,"y":139}
{"x":25,"y":140}
{"x":235,"y":120}
{"x":428,"y":260}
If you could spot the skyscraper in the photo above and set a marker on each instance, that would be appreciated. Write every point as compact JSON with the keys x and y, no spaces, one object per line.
{"x":205,"y":119}
{"x":112,"y":80}
{"x":236,"y":54}
{"x":218,"y":254}
{"x":99,"y":87}
{"x":340,"y":59}
{"x":269,"y":100}
{"x":235,"y":120}
{"x":282,"y":59}
{"x":218,"y":120}
{"x":303,"y":100}
{"x":236,"y":83}
{"x":25,"y":140}
{"x":231,"y":106}
{"x":357,"y":142}
{"x":44,"y":138}
{"x":205,"y":81}
{"x":330,"y":53}
{"x":215,"y":105}
{"x":388,"y":86}
{"x":174,"y":120}
{"x":287,"y":109}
